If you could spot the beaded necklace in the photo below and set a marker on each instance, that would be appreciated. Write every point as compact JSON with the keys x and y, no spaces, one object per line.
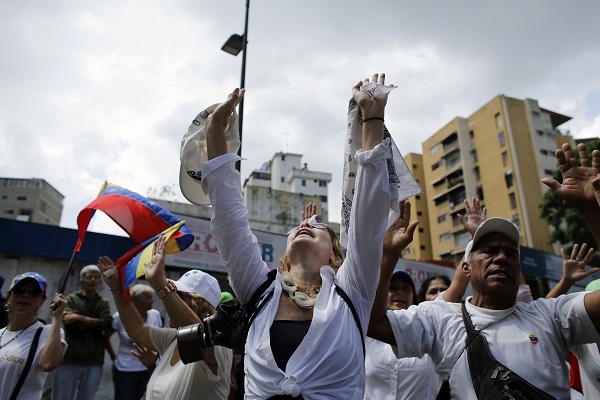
{"x":16,"y":336}
{"x":301,"y":298}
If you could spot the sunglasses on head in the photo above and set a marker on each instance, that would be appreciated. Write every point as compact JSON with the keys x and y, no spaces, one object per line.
{"x":315,"y":225}
{"x":20,"y":291}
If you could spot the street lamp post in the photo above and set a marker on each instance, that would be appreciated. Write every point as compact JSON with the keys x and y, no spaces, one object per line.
{"x":234,"y":45}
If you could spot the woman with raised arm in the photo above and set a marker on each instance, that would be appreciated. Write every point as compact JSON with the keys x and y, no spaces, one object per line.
{"x":194,"y":295}
{"x":26,"y":294}
{"x":307,"y":341}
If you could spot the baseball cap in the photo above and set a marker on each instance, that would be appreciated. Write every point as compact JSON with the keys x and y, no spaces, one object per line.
{"x":194,"y":153}
{"x":494,"y":225}
{"x":408,"y":279}
{"x":200,"y":283}
{"x":41,"y":281}
{"x":593,"y":285}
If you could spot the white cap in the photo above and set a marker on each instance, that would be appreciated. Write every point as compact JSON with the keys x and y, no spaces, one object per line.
{"x":494,"y":225}
{"x":194,"y":153}
{"x":200,"y":283}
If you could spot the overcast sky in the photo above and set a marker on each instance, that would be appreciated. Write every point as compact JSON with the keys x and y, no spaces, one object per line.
{"x":105,"y":90}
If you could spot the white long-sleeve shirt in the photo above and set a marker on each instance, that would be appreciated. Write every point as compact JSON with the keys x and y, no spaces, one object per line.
{"x":329,"y":362}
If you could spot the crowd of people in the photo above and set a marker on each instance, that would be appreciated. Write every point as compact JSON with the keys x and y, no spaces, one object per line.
{"x":331,"y":324}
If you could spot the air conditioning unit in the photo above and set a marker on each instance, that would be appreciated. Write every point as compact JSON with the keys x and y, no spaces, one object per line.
{"x":451,"y":205}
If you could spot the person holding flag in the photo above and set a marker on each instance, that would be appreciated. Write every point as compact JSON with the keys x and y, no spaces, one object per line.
{"x":187,"y":300}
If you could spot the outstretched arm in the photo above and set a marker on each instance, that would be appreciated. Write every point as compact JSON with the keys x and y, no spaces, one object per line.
{"x":131,"y":319}
{"x":476,"y":214}
{"x":179,"y":313}
{"x":573,"y":269}
{"x":373,"y":112}
{"x":216,"y":123}
{"x":51,"y":355}
{"x":396,"y":238}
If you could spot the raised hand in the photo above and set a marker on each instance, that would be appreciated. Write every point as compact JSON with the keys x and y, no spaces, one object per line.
{"x":219,"y":113}
{"x":370,"y":106}
{"x":155,"y":269}
{"x":576,"y":187}
{"x":574,"y":267}
{"x":309,"y":211}
{"x":110,"y":273}
{"x":146,"y":356}
{"x":400,"y":234}
{"x":596,"y":186}
{"x":59,"y":303}
{"x":475,"y":215}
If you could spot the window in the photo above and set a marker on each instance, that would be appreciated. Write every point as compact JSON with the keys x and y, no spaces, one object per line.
{"x":435,"y":148}
{"x":461,"y":239}
{"x":535,"y":114}
{"x":4,"y":197}
{"x":437,"y":165}
{"x":452,"y":161}
{"x":303,"y":182}
{"x":540,"y":133}
{"x":415,"y":166}
{"x":501,"y":139}
{"x":549,"y":172}
{"x":474,"y":155}
{"x":498,"y":118}
{"x":480,"y":193}
{"x":509,"y":179}
{"x":445,"y":236}
{"x":504,"y":158}
{"x":419,"y":213}
{"x":283,"y":157}
{"x":10,"y":212}
{"x":282,"y":179}
{"x":544,"y":152}
{"x":471,"y":136}
{"x":24,"y":212}
{"x":21,"y":198}
{"x":422,"y":247}
{"x":418,"y":197}
{"x":513,"y":200}
{"x":477,"y":173}
{"x":322,"y":184}
{"x":421,"y":230}
{"x":442,"y":218}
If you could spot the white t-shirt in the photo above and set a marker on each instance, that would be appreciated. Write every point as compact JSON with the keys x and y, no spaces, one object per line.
{"x":329,"y":362}
{"x":391,"y":378}
{"x":187,"y":381}
{"x":588,"y":357}
{"x":531,"y":339}
{"x":13,"y":357}
{"x":125,"y":360}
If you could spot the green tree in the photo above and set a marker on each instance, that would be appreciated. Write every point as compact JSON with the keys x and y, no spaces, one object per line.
{"x":569,"y":226}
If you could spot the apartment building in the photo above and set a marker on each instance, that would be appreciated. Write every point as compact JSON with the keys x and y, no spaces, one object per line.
{"x":30,"y":200}
{"x":420,"y":248}
{"x":498,"y":154}
{"x":276,"y":193}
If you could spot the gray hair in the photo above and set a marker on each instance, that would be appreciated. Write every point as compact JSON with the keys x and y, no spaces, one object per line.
{"x":141,"y":292}
{"x":89,"y":268}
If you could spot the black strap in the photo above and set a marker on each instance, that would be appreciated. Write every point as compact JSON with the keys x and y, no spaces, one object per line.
{"x":32,"y":350}
{"x":344,"y":296}
{"x":492,"y":379}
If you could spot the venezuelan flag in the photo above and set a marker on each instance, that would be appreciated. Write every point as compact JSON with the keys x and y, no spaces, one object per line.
{"x":143,"y":220}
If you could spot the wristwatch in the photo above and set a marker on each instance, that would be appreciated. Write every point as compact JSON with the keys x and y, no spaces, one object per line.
{"x":167,"y":289}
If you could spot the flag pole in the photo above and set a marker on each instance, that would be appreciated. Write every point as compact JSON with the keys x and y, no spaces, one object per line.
{"x":62,"y":285}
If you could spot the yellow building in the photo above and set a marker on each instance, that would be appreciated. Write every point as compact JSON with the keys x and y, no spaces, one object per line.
{"x":420,"y":248}
{"x":498,"y":154}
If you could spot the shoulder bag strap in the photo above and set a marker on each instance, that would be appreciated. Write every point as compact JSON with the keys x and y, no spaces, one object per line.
{"x":255,"y":308}
{"x":478,"y":352}
{"x":32,"y":350}
{"x":345,"y":297}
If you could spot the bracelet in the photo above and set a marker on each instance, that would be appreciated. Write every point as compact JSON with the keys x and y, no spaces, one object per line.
{"x":372,"y":118}
{"x":167,"y":289}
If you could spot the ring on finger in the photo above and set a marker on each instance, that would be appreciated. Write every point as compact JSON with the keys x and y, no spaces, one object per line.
{"x":578,"y":258}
